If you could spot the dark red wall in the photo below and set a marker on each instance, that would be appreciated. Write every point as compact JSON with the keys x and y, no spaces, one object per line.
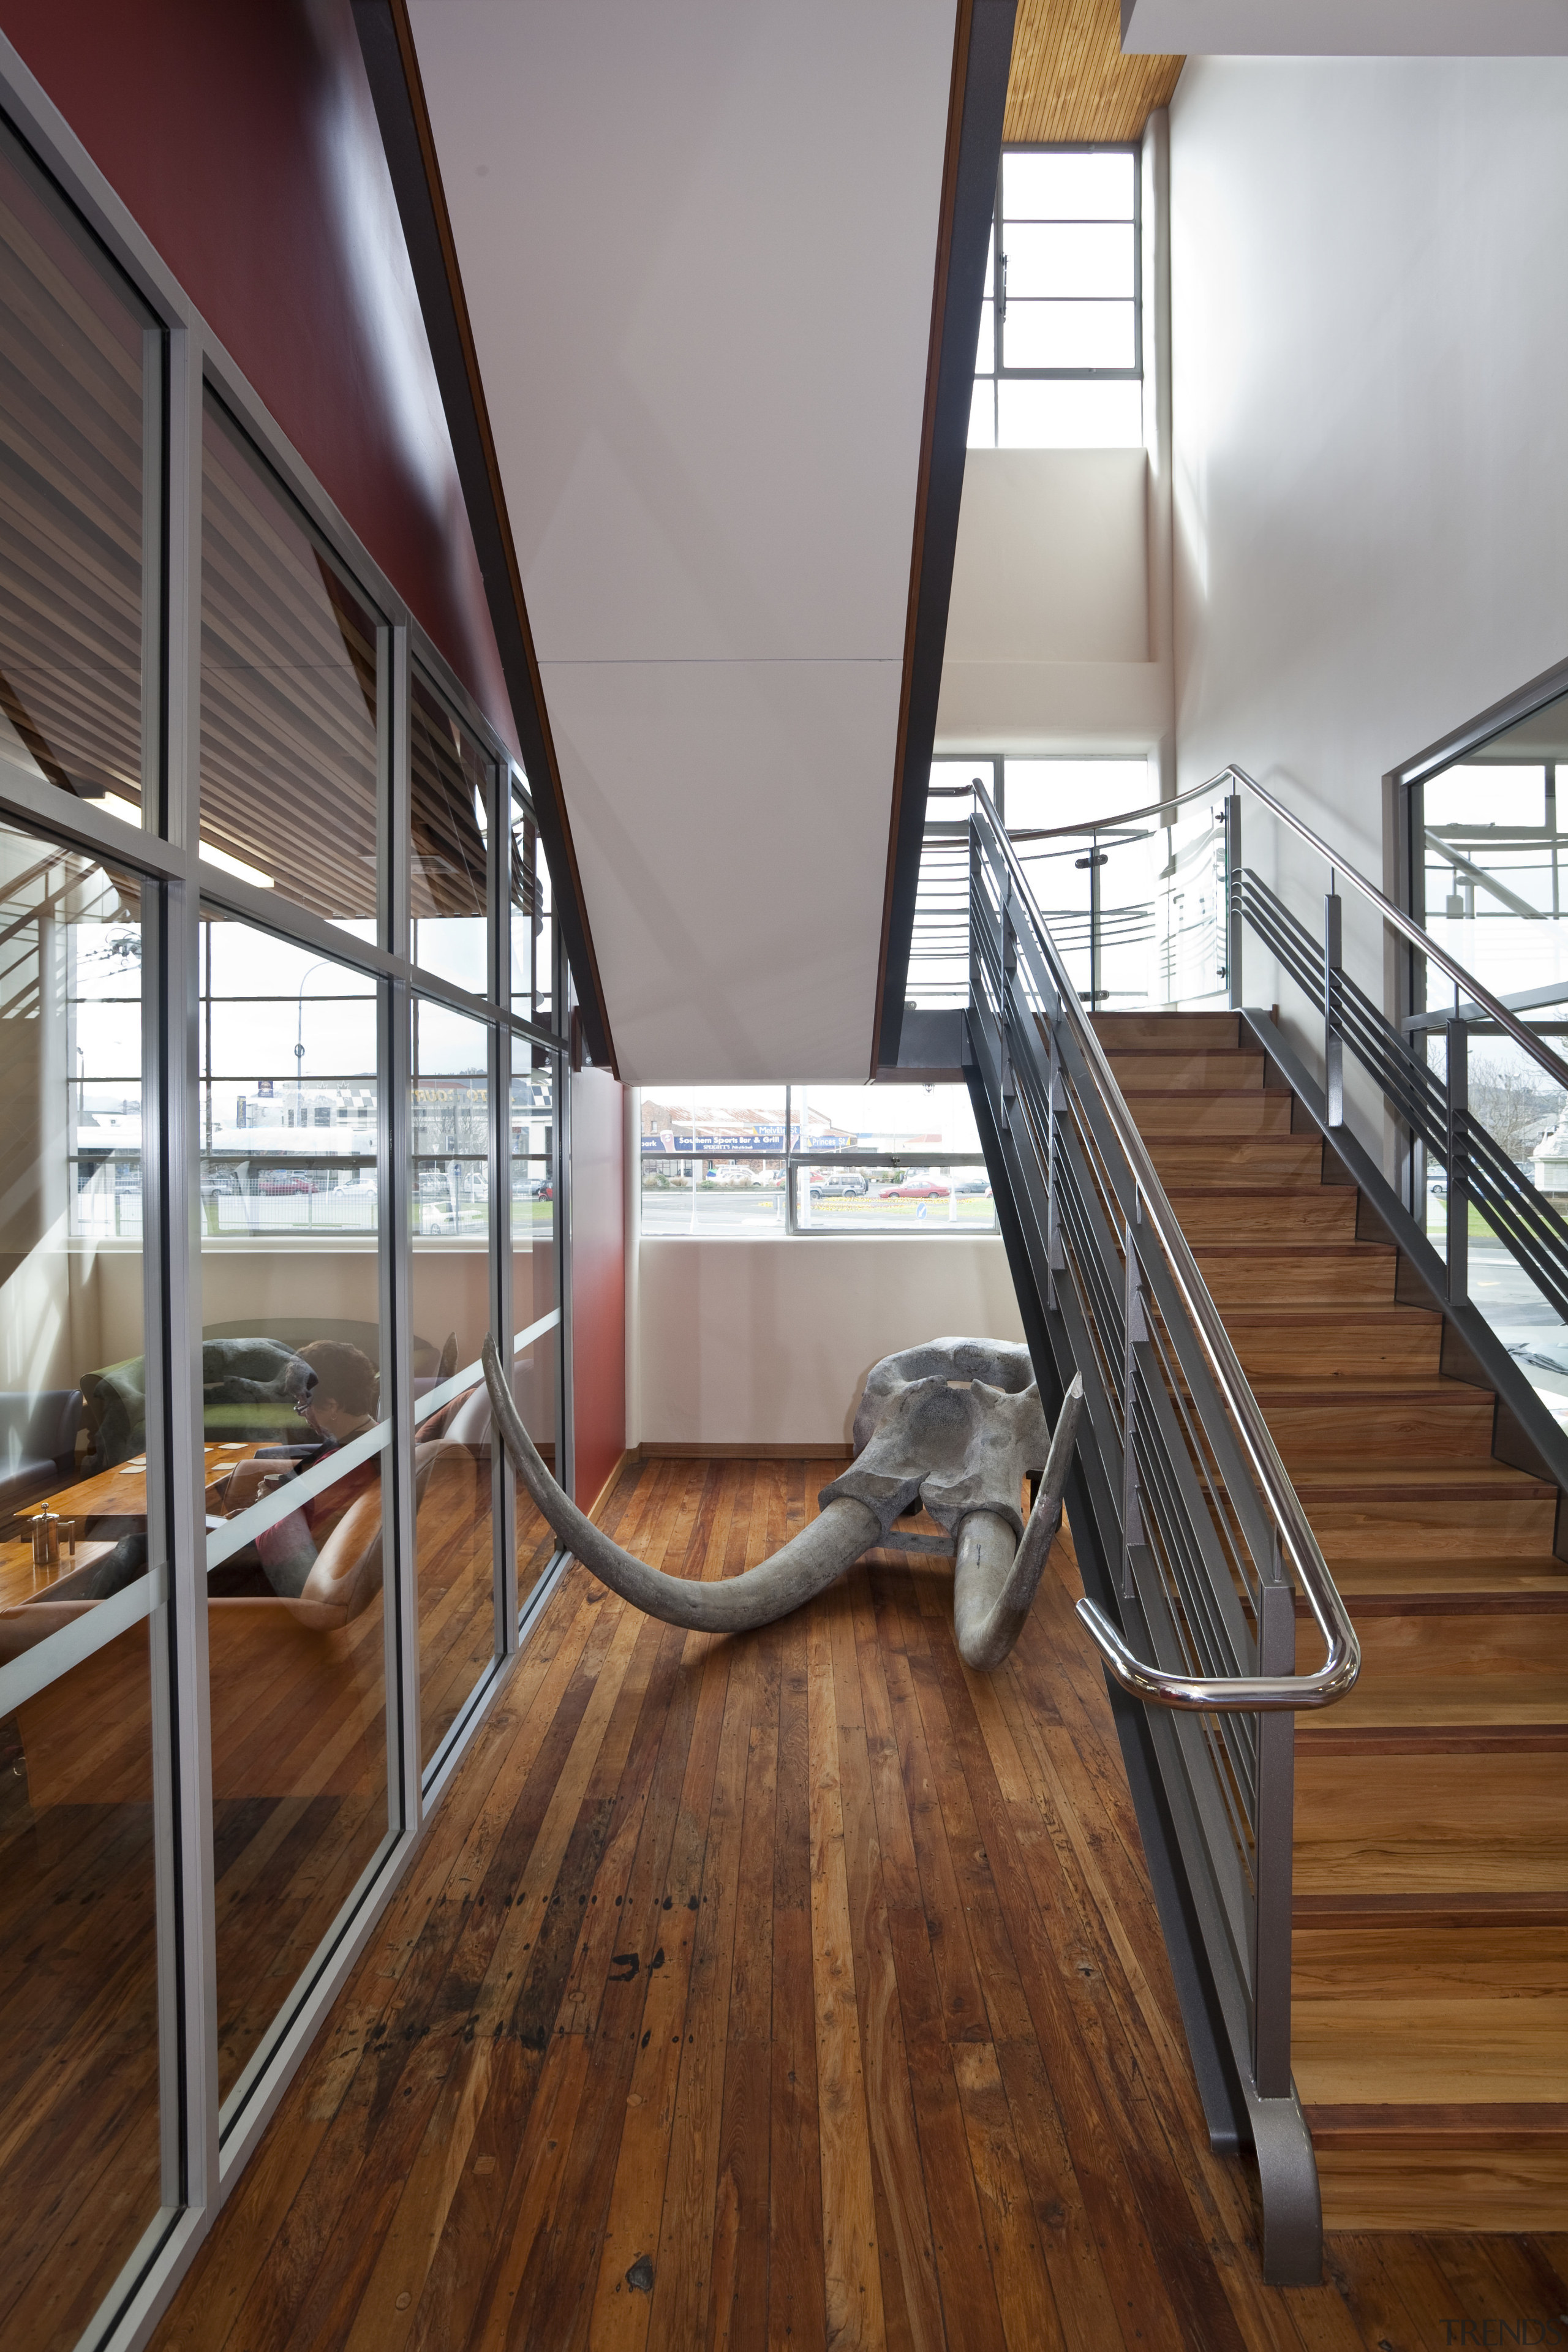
{"x":241,"y":136}
{"x":598,"y":1279}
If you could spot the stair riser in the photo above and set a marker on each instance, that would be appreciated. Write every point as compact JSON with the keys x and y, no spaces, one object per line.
{"x":1414,"y":1530}
{"x":1430,"y":1824}
{"x":1450,"y":2016}
{"x":1427,"y":1669}
{"x":1325,"y":1214}
{"x":1178,"y":1115}
{"x":1489,"y":2183}
{"x":1249,"y":1160}
{"x":1168,"y":1033}
{"x":1187,"y":1069}
{"x":1339,"y":1351}
{"x":1310,"y":1435}
{"x":1365,"y":1279}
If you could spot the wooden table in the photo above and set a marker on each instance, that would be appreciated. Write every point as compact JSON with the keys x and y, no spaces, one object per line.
{"x":120,"y":1492}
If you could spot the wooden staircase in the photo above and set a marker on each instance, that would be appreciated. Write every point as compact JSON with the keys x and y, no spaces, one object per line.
{"x":1430,"y":2023}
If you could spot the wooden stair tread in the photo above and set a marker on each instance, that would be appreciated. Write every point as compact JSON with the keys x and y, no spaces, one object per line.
{"x":1509,"y":1579}
{"x":1399,"y":1914}
{"x":1482,"y":1480}
{"x":1446,"y":2119}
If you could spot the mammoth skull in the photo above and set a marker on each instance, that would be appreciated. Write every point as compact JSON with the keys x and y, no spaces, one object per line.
{"x":956,"y":1425}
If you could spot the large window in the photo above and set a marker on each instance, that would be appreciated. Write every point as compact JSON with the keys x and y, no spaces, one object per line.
{"x":280,"y":1057}
{"x":760,"y":1161}
{"x":1061,"y":362}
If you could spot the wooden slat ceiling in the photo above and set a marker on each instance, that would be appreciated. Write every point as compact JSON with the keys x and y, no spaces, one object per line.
{"x":1070,"y":79}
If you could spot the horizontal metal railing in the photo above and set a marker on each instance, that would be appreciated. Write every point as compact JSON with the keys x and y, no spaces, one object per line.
{"x":1433,"y":1110}
{"x":1145,"y":1680}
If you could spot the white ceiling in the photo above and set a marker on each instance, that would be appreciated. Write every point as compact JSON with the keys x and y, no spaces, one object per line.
{"x":1345,"y":28}
{"x":697,"y":242}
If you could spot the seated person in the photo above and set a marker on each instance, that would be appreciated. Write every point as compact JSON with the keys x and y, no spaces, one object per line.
{"x":338,"y":1525}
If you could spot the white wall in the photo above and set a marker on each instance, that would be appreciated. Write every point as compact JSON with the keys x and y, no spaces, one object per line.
{"x":769,"y":1342}
{"x":1371,"y":426}
{"x":1047,"y":633}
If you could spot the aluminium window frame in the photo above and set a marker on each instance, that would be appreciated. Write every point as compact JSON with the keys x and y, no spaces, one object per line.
{"x":792,"y":1158}
{"x":997,"y":297}
{"x":204,"y":2148}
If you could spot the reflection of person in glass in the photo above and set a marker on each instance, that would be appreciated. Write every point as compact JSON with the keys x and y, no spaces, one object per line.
{"x":324,"y":1540}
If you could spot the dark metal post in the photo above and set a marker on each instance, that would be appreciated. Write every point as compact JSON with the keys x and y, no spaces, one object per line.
{"x":1137,"y":1335}
{"x":1233,"y":901}
{"x":1008,"y":960}
{"x":1458,"y":1163}
{"x":1333,"y":1044}
{"x":1055,"y":1261}
{"x":1274,"y":1831}
{"x":1095,"y":863}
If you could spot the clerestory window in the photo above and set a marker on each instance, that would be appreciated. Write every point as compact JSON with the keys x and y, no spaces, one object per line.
{"x":1061,"y":362}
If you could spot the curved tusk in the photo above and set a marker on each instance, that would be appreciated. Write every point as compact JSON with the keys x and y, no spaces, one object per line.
{"x":805,"y":1566}
{"x":994,"y":1582}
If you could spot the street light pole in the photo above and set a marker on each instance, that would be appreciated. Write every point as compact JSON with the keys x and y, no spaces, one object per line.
{"x":321,"y":965}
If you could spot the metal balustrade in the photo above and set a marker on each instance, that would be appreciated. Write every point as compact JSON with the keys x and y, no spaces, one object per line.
{"x":1192,"y":1539}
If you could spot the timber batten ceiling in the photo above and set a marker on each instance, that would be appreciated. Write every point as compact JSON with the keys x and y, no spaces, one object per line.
{"x":1070,"y":81}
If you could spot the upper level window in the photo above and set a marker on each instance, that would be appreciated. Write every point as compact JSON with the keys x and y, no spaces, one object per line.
{"x":1061,"y":362}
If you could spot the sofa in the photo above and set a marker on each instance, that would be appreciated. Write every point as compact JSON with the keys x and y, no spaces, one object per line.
{"x":37,"y":1442}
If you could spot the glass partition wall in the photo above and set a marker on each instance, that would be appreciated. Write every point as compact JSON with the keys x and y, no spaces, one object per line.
{"x":280,"y":1063}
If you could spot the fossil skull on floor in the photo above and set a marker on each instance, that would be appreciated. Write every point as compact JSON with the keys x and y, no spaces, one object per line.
{"x":956,"y":1425}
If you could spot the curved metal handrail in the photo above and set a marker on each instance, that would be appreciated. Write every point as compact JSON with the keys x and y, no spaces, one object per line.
{"x":1238,"y":1693}
{"x":1405,"y":925}
{"x":1097,"y":824}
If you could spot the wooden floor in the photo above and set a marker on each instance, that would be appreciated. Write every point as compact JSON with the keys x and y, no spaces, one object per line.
{"x":798,"y":1990}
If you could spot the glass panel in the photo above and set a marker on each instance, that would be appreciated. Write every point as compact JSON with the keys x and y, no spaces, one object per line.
{"x":1068,"y":416}
{"x":1100,"y":916}
{"x":912,"y":1122}
{"x":533,"y":923}
{"x":450,"y":1207}
{"x":982,"y":415}
{"x":1191,"y":910}
{"x":929,"y":1199}
{"x":79,"y":2079}
{"x":1495,"y":886}
{"x":1063,"y":260}
{"x":1062,"y":185}
{"x":291,"y":1356}
{"x":289,"y":769}
{"x":534,"y":1292}
{"x":709,"y":1196}
{"x":449,"y":782}
{"x":77,"y":363}
{"x":985,"y":351}
{"x":1068,"y":335}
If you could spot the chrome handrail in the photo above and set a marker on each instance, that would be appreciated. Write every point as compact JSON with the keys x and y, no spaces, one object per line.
{"x":1241,"y":1693}
{"x":1095,"y":824}
{"x":1405,"y":925}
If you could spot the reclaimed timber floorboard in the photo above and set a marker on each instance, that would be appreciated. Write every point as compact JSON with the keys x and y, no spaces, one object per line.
{"x":793,"y":1991}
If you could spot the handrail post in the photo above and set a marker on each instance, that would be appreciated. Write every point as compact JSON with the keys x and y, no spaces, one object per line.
{"x":1273,"y":1833}
{"x":1333,"y":1044}
{"x":1233,"y":923}
{"x":1137,"y":1330}
{"x":1007,"y":959}
{"x":1095,"y":862}
{"x":1055,"y":1260}
{"x":1459,"y":1219}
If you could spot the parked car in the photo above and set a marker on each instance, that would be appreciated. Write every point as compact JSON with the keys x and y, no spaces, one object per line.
{"x":974,"y":1187}
{"x":286,"y":1180}
{"x":916,"y":1187}
{"x":541,"y":1188}
{"x":838,"y":1184}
